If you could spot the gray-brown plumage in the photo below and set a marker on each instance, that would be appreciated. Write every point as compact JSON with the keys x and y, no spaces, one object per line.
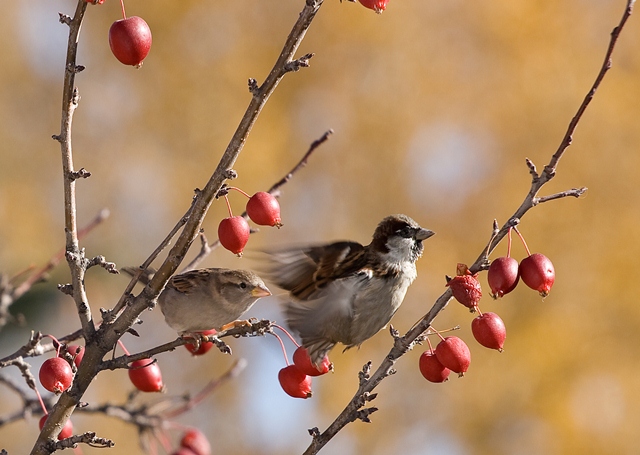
{"x":205,"y":299}
{"x":345,"y":292}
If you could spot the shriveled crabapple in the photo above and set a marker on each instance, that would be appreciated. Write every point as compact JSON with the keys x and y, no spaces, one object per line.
{"x":454,"y":354}
{"x":465,"y":287}
{"x":294,"y":382}
{"x":145,"y":375}
{"x":263,"y":209}
{"x":130,"y":40}
{"x":302,"y":360}
{"x":431,"y":368}
{"x":233,"y":233}
{"x":488,"y":329}
{"x":538,"y":273}
{"x":503,"y":276}
{"x":67,"y":429}
{"x":56,"y":375}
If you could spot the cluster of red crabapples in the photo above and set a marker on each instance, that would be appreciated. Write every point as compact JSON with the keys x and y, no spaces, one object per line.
{"x":129,"y":37}
{"x":262,"y":208}
{"x":295,"y":379}
{"x":452,"y":354}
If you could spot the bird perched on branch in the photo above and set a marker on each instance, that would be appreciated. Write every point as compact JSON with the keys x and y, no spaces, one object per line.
{"x":345,"y":292}
{"x":204,"y":299}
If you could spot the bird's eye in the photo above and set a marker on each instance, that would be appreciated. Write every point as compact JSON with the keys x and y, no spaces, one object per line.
{"x":243,"y":285}
{"x":404,"y":232}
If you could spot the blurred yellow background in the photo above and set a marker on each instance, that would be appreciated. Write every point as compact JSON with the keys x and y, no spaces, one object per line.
{"x":435,"y":105}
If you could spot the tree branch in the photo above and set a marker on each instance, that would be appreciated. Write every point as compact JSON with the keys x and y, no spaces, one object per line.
{"x":115,"y":326}
{"x":353,"y":410}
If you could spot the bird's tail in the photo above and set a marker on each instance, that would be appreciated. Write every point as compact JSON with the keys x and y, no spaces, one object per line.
{"x":300,"y":320}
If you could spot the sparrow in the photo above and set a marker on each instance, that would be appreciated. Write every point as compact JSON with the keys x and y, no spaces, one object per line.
{"x":204,"y":299}
{"x":345,"y":292}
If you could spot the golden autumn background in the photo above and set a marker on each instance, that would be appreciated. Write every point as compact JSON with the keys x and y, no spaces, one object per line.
{"x":435,"y":106}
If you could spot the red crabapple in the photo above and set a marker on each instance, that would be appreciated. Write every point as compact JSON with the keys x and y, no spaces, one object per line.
{"x":233,"y":233}
{"x":489,"y":330}
{"x":130,"y":40}
{"x":538,"y":273}
{"x":263,"y":209}
{"x":454,"y":354}
{"x":56,"y":375}
{"x":294,"y":382}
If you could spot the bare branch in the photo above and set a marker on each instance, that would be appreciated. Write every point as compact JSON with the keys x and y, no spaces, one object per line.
{"x":369,"y":382}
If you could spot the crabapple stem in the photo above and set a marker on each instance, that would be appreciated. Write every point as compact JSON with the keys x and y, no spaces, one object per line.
{"x":509,"y":242}
{"x":56,"y":343}
{"x":124,"y":16}
{"x":522,"y":239}
{"x":123,"y":348}
{"x":284,"y":351}
{"x":44,"y":408}
{"x":226,"y":199}
{"x":429,"y":343}
{"x":238,"y":190}
{"x":293,"y":340}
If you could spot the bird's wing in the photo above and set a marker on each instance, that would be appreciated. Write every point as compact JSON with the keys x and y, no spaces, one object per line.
{"x":325,"y":319}
{"x":307,"y":271}
{"x":185,"y":282}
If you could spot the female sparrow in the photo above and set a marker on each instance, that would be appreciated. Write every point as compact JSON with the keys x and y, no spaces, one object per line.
{"x":345,"y":292}
{"x":204,"y":299}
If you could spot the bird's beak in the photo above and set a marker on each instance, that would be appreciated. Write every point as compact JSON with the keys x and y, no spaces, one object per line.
{"x":424,"y":234}
{"x":260,"y":291}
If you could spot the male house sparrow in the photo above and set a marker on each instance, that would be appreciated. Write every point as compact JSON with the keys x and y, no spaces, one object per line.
{"x":204,"y":299}
{"x":345,"y":292}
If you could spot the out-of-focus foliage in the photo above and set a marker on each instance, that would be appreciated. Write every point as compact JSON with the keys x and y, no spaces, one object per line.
{"x":435,"y":105}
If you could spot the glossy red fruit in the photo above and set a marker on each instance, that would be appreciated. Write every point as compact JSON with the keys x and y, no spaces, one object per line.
{"x":503,"y":276}
{"x":377,"y":5}
{"x":302,"y":360}
{"x":145,"y":375}
{"x":538,"y":273}
{"x":466,"y":290}
{"x":56,"y":375}
{"x":489,"y":330}
{"x":233,"y":233}
{"x":204,"y":346}
{"x":196,"y":442}
{"x":77,"y":352}
{"x":263,"y":209}
{"x":454,"y":354}
{"x":66,"y":432}
{"x":431,"y":368}
{"x":294,"y":382}
{"x":130,"y":40}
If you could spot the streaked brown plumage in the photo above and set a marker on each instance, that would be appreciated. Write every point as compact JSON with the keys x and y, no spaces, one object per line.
{"x":345,"y":292}
{"x":204,"y":299}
